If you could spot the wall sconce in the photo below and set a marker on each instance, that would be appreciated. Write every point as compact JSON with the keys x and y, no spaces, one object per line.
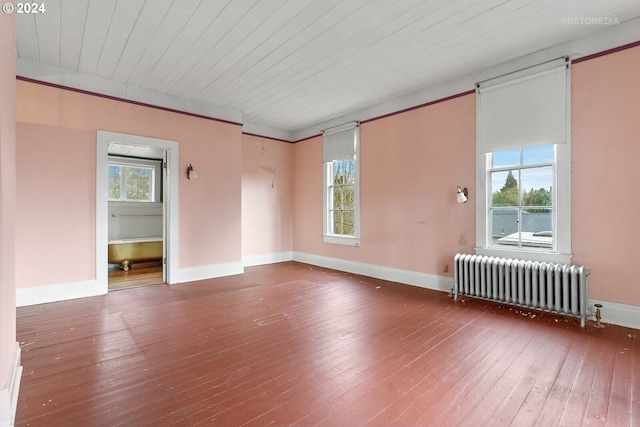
{"x":463,"y":195}
{"x":191,"y":173}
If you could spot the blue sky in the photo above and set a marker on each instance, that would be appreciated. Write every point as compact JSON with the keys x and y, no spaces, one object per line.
{"x":533,"y":178}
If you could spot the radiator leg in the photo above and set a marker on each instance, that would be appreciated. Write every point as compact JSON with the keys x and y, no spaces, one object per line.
{"x":598,"y":316}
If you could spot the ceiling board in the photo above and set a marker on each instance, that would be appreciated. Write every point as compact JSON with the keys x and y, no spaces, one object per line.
{"x":319,"y":28}
{"x":72,"y":22}
{"x":217,"y":42}
{"x":48,"y":34}
{"x":173,"y":22}
{"x":124,"y":18}
{"x":200,"y":20}
{"x":144,"y":32}
{"x":98,"y":20}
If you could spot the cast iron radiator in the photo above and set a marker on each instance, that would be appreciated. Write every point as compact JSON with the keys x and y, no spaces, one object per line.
{"x":556,"y":288}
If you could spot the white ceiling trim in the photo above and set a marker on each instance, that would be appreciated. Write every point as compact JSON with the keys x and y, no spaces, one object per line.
{"x":268,"y":132}
{"x":101,"y":86}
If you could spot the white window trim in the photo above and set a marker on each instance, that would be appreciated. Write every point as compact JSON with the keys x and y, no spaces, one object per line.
{"x":340,"y":239}
{"x":562,"y":216}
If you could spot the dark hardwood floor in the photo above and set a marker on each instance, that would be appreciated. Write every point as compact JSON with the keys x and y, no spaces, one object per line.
{"x":293,"y":344}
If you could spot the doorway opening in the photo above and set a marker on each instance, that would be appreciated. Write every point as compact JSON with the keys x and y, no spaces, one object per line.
{"x":136,"y":211}
{"x":136,"y":216}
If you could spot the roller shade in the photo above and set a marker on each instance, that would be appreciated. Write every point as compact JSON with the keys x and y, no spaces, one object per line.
{"x":523,"y":113}
{"x":339,"y":145}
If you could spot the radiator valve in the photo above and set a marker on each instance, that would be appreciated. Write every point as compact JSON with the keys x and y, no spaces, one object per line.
{"x":598,"y":316}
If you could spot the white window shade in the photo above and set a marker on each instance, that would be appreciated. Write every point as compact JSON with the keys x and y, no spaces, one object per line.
{"x":522,"y":113}
{"x":339,"y":145}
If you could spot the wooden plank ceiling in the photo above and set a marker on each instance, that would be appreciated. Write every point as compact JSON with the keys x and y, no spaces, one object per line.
{"x":289,"y":64}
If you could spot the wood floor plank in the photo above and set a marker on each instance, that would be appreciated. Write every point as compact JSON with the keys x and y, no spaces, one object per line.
{"x":500,"y":404}
{"x":621,"y":383}
{"x":634,"y":377}
{"x":478,"y":379}
{"x":293,"y":344}
{"x":599,"y":397}
{"x":360,"y":373}
{"x":580,"y":391}
{"x":345,"y":341}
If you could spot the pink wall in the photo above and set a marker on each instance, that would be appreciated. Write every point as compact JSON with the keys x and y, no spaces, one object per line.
{"x":7,"y":199}
{"x":605,"y":153}
{"x":410,"y":166}
{"x":56,"y":204}
{"x":412,"y":162}
{"x":267,"y":196}
{"x":307,"y":196}
{"x":61,"y":126}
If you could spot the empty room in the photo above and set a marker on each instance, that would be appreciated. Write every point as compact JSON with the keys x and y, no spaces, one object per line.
{"x":319,"y":212}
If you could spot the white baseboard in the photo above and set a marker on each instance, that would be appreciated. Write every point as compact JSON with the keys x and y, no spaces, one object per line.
{"x":613,"y":313}
{"x":193,"y":274}
{"x":57,"y":292}
{"x":407,"y":277}
{"x":88,"y":288}
{"x":9,"y":394}
{"x":616,"y":313}
{"x":273,"y":258}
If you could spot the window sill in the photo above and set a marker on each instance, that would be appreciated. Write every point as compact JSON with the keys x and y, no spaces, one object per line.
{"x":341,"y":240}
{"x":528,"y":255}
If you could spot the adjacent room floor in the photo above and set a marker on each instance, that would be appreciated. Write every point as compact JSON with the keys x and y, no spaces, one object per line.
{"x":293,"y":344}
{"x":120,"y":279}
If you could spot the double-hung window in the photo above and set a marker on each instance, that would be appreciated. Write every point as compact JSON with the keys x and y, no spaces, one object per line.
{"x":341,"y":175}
{"x":523,"y":152}
{"x":521,"y":207}
{"x":133,"y":180}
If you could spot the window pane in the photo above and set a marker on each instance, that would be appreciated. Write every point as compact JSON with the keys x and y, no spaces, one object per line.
{"x":536,"y":186}
{"x":502,"y":159}
{"x":504,"y":226}
{"x":336,"y":196}
{"x":537,"y":228}
{"x":347,"y":223}
{"x":338,"y":173}
{"x":537,"y":221}
{"x":114,"y":182}
{"x":343,"y":172}
{"x":349,"y":172}
{"x":138,"y":183}
{"x":336,"y":170}
{"x":504,"y":189}
{"x":336,"y":222}
{"x":539,"y":154}
{"x":348,"y":197}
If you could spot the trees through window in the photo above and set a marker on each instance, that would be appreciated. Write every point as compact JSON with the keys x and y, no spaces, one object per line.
{"x":522,"y":200}
{"x":342,"y":197}
{"x":131,"y":183}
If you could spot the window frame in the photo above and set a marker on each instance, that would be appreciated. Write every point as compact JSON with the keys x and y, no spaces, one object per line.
{"x":135,"y":162}
{"x":520,"y":207}
{"x":561,"y":253}
{"x":561,"y":250}
{"x":327,"y":235}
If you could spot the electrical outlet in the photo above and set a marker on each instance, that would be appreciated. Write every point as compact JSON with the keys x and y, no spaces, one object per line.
{"x":462,"y":241}
{"x":446,"y":268}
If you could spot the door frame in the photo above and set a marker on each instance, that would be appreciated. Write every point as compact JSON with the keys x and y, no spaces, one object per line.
{"x":170,"y":200}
